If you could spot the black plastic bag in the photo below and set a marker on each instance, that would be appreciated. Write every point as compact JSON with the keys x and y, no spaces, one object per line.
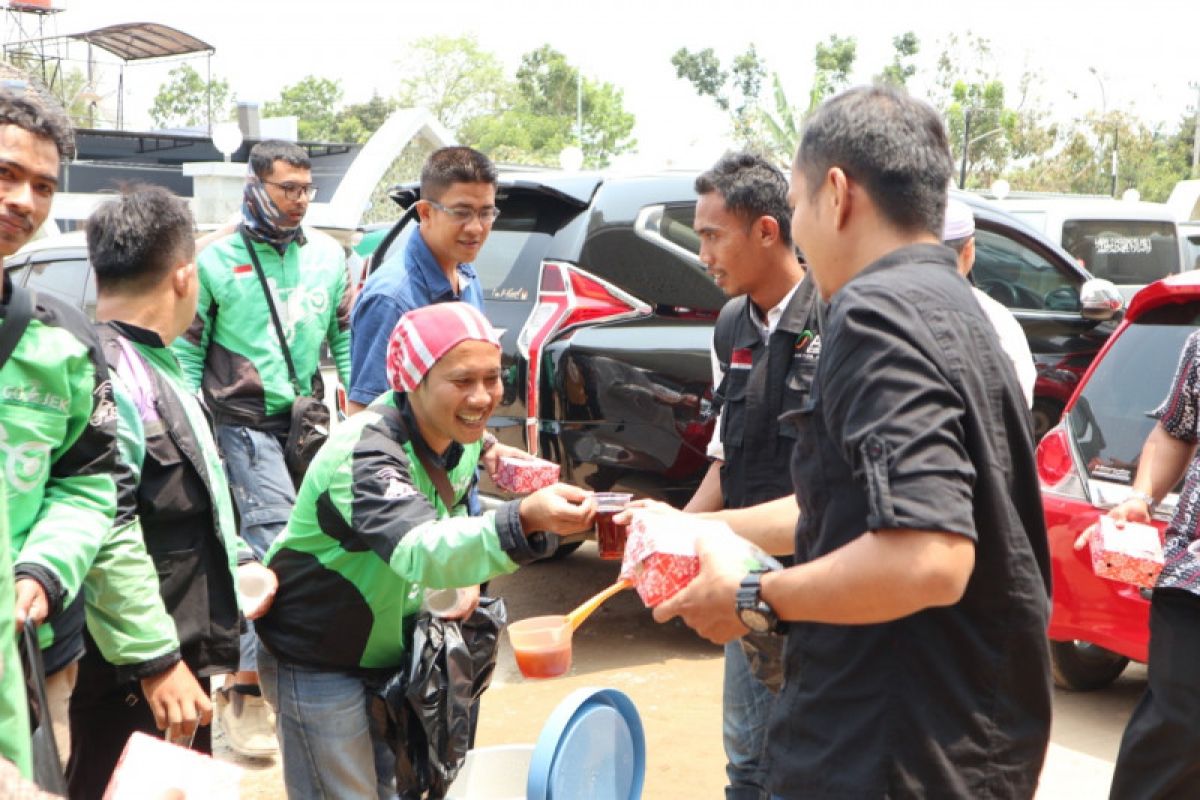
{"x":425,"y":709}
{"x":47,"y":767}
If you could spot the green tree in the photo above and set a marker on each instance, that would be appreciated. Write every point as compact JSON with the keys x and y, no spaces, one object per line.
{"x":454,"y":79}
{"x":314,"y":102}
{"x":540,"y":120}
{"x":834,"y":61}
{"x":185,"y":99}
{"x":905,"y":48}
{"x":992,"y":125}
{"x":735,"y":90}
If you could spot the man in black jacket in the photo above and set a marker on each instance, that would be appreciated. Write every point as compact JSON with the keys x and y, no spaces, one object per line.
{"x":764,"y":353}
{"x":142,"y":250}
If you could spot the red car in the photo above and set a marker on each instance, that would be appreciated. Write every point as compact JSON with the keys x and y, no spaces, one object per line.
{"x":1086,"y":464}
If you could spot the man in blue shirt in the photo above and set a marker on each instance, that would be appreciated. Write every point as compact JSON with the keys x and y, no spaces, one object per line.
{"x":456,"y":212}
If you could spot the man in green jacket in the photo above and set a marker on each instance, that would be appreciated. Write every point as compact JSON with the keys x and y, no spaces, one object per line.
{"x":233,"y":352}
{"x":69,"y":521}
{"x":370,"y":531}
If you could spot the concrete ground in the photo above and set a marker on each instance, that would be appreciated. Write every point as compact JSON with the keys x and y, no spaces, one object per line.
{"x":674,"y":678}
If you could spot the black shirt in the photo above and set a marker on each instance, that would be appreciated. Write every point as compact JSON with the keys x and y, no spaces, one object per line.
{"x":917,"y":421}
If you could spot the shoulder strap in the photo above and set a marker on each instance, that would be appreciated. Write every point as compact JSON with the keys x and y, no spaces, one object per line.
{"x":441,"y":481}
{"x":20,"y":312}
{"x":723,"y":331}
{"x":262,"y":279}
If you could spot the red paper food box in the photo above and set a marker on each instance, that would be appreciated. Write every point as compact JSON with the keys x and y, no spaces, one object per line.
{"x":660,"y":555}
{"x":1131,"y":553}
{"x":524,"y":475}
{"x":152,"y":768}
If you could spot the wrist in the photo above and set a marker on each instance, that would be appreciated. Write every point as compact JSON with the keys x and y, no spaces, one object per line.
{"x":1143,"y":497}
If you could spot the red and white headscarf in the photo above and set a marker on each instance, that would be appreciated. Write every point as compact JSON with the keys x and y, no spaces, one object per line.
{"x":424,"y":335}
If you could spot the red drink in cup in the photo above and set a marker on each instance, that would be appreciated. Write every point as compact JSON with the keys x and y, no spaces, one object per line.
{"x":610,"y":537}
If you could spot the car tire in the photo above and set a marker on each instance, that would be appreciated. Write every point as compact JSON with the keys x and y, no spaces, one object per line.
{"x":1084,"y":667}
{"x":1046,"y":414}
{"x":564,"y":549}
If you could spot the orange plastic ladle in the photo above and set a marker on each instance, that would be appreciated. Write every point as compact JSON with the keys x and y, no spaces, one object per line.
{"x":585,"y":609}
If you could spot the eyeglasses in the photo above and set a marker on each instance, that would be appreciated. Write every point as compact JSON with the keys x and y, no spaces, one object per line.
{"x":292,"y":191}
{"x":462,"y":215}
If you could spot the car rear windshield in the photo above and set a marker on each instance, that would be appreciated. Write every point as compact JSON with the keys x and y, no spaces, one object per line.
{"x":1111,"y":417}
{"x":1124,"y":251}
{"x":508,"y":262}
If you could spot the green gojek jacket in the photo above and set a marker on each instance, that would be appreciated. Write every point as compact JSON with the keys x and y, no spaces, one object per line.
{"x":70,"y":496}
{"x":232,"y":352}
{"x":14,"y":709}
{"x":369,"y":533}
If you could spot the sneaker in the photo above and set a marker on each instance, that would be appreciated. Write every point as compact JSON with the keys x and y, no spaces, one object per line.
{"x":248,"y":722}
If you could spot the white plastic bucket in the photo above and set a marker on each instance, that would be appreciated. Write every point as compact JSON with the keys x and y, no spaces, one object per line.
{"x":500,"y":772}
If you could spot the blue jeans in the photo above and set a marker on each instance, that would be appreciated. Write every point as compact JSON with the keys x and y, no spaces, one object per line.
{"x":263,"y":491}
{"x":747,"y":704}
{"x":330,"y":749}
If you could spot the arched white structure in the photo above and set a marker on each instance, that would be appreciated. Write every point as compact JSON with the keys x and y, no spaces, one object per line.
{"x":345,"y":208}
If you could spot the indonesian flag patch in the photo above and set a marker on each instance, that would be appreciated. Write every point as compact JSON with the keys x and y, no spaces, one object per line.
{"x":740,"y":358}
{"x":243,"y":269}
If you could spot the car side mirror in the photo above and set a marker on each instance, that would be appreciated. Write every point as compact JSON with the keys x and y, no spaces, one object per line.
{"x":1099,"y":300}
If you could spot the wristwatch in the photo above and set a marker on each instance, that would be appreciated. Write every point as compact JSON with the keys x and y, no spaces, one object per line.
{"x":752,"y":610}
{"x":1145,"y":497}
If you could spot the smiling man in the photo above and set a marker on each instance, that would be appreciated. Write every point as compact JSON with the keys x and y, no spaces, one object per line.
{"x":456,"y":212}
{"x":233,"y":352}
{"x":382,"y":514}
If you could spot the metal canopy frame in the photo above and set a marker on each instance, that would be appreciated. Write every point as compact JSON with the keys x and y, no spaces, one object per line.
{"x":129,"y":42}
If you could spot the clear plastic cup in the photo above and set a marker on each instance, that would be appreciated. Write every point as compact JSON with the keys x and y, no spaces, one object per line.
{"x":252,"y":588}
{"x":610,"y":537}
{"x":443,"y":602}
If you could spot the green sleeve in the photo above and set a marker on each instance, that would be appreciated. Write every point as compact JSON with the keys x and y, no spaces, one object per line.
{"x":88,"y":491}
{"x":125,"y":613}
{"x":192,"y":347}
{"x":338,"y":334}
{"x":14,"y":710}
{"x":131,"y":434}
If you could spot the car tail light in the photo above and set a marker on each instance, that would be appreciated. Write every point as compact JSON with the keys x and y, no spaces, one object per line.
{"x":1057,"y":469}
{"x":567,"y":297}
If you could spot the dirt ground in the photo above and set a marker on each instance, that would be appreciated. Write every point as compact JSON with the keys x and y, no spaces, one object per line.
{"x":672,"y":676}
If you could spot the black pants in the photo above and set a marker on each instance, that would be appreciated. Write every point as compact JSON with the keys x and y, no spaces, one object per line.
{"x":1160,"y":751}
{"x":101,"y":723}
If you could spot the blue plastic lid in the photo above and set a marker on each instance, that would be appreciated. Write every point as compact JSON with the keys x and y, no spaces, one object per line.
{"x":591,"y":748}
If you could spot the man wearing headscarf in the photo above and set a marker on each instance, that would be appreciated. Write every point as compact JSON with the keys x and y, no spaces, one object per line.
{"x":232,"y":351}
{"x":371,"y":529}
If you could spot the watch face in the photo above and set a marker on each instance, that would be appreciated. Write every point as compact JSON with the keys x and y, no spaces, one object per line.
{"x":755,"y":620}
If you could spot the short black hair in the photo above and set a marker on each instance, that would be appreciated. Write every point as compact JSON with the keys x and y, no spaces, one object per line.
{"x":449,"y":165}
{"x":889,"y":142}
{"x":264,"y":155}
{"x":751,"y":187}
{"x":20,"y":107}
{"x":137,"y":237}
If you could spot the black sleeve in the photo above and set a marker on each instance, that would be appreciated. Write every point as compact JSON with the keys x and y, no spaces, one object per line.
{"x":889,"y":401}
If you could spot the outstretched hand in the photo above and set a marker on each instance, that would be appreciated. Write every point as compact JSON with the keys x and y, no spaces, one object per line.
{"x":561,"y":509}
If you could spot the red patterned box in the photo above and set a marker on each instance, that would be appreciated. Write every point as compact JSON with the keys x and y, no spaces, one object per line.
{"x":524,"y":475}
{"x":151,"y":767}
{"x":1131,"y":553}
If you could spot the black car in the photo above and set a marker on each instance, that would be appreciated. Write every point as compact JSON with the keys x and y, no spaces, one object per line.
{"x":607,"y":314}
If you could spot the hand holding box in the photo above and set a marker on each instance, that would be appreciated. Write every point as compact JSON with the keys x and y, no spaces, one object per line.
{"x":525,"y":475}
{"x":1129,"y":552}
